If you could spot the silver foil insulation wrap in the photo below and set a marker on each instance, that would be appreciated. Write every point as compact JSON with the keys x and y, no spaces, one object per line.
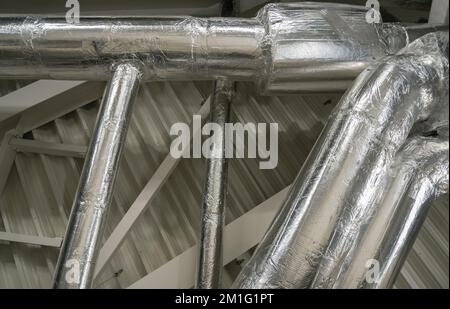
{"x":288,"y":47}
{"x":423,"y":154}
{"x":316,"y":46}
{"x":210,"y":263}
{"x":76,"y":263}
{"x":420,"y":176}
{"x":344,"y":177}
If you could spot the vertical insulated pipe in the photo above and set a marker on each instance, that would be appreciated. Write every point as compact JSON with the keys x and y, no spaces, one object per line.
{"x":79,"y":251}
{"x":213,"y":214}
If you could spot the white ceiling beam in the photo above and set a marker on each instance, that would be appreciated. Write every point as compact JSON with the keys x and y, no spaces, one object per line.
{"x":80,"y":94}
{"x":439,"y":12}
{"x":141,"y":203}
{"x":28,"y":108}
{"x":54,"y":149}
{"x":31,"y":240}
{"x":7,"y":157}
{"x":46,"y":100}
{"x":239,"y":236}
{"x":39,"y":103}
{"x":32,"y":94}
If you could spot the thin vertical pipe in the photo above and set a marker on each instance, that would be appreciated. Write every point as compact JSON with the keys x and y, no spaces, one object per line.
{"x":213,"y":216}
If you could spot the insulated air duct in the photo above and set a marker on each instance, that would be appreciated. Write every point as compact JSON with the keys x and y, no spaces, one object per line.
{"x":287,"y":47}
{"x":213,"y":203}
{"x":415,"y":179}
{"x":80,"y":248}
{"x":344,"y":175}
{"x":420,"y":174}
{"x":411,"y":204}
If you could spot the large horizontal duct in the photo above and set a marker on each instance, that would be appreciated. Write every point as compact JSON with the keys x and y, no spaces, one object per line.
{"x":345,"y":173}
{"x":287,"y":47}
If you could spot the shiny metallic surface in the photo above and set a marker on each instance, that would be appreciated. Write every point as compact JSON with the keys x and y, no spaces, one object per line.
{"x":209,"y":269}
{"x":167,"y":47}
{"x":396,"y":36}
{"x":78,"y":253}
{"x":366,"y":202}
{"x":309,"y":47}
{"x":350,"y":270}
{"x":345,"y":171}
{"x":426,"y":266}
{"x":413,"y":32}
{"x":317,"y":46}
{"x":409,"y":163}
{"x":422,"y":178}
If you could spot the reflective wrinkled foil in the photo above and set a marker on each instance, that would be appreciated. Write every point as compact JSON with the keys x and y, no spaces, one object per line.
{"x":410,"y":165}
{"x":316,"y":46}
{"x":166,"y":47}
{"x":422,"y":176}
{"x":345,"y":174}
{"x":430,"y":143}
{"x":291,"y":47}
{"x":76,"y":263}
{"x":213,"y":204}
